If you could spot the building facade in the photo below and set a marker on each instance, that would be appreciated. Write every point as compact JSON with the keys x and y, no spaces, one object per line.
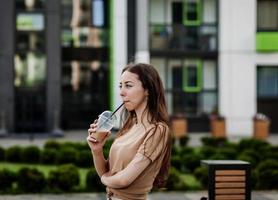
{"x":60,"y":60}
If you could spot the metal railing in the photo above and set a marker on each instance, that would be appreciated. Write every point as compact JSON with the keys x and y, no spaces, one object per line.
{"x":183,"y":38}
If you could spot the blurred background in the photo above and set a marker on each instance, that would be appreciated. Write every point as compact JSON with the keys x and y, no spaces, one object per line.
{"x":60,"y":60}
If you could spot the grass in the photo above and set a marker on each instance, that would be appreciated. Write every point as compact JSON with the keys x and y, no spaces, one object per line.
{"x":191,"y":182}
{"x":45,"y":169}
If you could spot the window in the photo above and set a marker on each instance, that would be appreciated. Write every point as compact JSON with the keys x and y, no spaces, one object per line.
{"x":192,"y":76}
{"x":267,"y":15}
{"x":192,"y":12}
{"x":267,"y":79}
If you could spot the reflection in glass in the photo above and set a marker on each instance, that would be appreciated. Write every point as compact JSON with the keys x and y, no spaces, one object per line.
{"x":84,"y":37}
{"x":29,"y":70}
{"x":98,"y":13}
{"x":33,"y":41}
{"x":29,"y":4}
{"x":29,"y":22}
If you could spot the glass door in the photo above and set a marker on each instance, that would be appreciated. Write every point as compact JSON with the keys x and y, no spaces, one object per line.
{"x":30,"y":66}
{"x":84,"y":43}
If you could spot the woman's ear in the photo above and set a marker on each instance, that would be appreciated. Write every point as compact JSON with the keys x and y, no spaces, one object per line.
{"x":146,"y":93}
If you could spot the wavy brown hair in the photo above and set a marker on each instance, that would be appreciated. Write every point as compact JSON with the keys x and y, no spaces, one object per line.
{"x":156,"y":110}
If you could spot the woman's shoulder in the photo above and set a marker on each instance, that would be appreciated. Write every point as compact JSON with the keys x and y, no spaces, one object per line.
{"x":161,"y":127}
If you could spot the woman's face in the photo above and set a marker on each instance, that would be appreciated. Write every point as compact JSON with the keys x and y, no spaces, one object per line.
{"x":132,"y":92}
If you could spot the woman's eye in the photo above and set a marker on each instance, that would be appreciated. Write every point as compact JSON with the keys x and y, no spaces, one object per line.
{"x":128,"y":86}
{"x":120,"y":86}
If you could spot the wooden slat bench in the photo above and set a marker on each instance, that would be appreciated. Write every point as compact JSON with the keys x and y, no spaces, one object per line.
{"x":228,"y":179}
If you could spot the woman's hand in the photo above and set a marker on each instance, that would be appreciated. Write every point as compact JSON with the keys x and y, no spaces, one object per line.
{"x":95,"y":145}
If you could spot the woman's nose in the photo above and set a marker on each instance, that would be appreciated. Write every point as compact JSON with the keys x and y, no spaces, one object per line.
{"x":122,"y":93}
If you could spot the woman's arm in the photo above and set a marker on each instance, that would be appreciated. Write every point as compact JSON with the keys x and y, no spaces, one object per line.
{"x":125,"y":177}
{"x":100,"y":163}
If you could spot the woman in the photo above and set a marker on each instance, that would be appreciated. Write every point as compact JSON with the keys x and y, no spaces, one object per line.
{"x":139,"y":156}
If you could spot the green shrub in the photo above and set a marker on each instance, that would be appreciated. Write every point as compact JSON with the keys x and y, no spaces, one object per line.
{"x":2,"y":154}
{"x":229,"y":153}
{"x":107,"y":147}
{"x":31,"y":154}
{"x":31,"y":180}
{"x":52,"y":144}
{"x":7,"y":178}
{"x":64,"y":178}
{"x":251,"y":156}
{"x":176,"y":162}
{"x":66,"y":155}
{"x":84,"y":158}
{"x":191,"y":161}
{"x":13,"y":154}
{"x":213,"y":142}
{"x":201,"y":174}
{"x":267,"y":172}
{"x":206,"y":152}
{"x":49,"y":156}
{"x":252,"y":143}
{"x":184,"y":141}
{"x":175,"y":181}
{"x":93,"y":182}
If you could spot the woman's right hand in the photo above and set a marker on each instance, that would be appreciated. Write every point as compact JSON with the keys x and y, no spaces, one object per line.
{"x":95,"y":145}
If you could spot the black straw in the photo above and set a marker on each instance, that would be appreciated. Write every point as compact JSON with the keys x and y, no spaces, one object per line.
{"x":116,"y":110}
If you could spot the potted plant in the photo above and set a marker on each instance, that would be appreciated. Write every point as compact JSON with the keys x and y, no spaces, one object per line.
{"x":178,"y":123}
{"x":261,"y":125}
{"x":217,"y":125}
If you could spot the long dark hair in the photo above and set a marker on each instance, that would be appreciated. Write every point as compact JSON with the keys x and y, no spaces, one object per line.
{"x":157,"y":110}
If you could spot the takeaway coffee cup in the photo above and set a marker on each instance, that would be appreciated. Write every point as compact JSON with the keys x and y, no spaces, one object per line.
{"x":104,"y":124}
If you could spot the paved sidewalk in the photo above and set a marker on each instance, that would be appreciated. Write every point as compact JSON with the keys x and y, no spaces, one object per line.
{"x":257,"y":195}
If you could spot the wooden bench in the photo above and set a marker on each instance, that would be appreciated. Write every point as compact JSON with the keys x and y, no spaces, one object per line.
{"x":228,"y":179}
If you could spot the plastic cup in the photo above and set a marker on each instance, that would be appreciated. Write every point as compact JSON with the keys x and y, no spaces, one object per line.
{"x":104,"y":124}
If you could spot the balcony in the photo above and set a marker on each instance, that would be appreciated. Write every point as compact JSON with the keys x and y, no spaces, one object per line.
{"x":177,"y":37}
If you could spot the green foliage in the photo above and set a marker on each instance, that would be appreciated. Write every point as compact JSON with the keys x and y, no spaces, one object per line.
{"x":13,"y":154}
{"x":191,"y":161}
{"x":66,"y":155}
{"x":52,"y":144}
{"x":174,"y":181}
{"x":31,"y":154}
{"x":93,"y":182}
{"x":31,"y":180}
{"x":84,"y":158}
{"x":251,"y":143}
{"x":184,"y":141}
{"x":49,"y":156}
{"x":65,"y":178}
{"x":201,"y":173}
{"x":2,"y":154}
{"x":7,"y":178}
{"x":213,"y":142}
{"x":267,"y":173}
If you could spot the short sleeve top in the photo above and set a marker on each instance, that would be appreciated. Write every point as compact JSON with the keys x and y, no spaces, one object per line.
{"x":150,"y":141}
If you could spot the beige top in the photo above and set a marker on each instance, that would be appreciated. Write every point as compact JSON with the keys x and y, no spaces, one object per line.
{"x":151,"y":142}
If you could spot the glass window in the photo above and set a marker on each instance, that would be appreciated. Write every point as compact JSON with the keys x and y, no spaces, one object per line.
{"x":267,"y":15}
{"x":208,"y":102}
{"x":192,"y":76}
{"x":30,"y":41}
{"x":29,"y":69}
{"x":192,"y":12}
{"x":209,"y":75}
{"x":98,"y":13}
{"x":267,"y":81}
{"x":29,"y":22}
{"x":29,"y":4}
